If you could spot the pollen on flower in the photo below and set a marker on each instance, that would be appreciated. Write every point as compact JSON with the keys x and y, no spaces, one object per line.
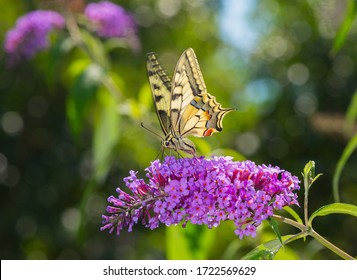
{"x":202,"y":191}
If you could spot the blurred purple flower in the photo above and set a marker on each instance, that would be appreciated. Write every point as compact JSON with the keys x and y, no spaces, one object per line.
{"x":30,"y":34}
{"x":110,"y":20}
{"x":202,"y":191}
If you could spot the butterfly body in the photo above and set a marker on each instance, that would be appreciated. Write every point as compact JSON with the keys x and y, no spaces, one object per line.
{"x":183,"y":106}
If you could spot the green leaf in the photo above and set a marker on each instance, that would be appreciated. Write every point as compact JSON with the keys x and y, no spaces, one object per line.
{"x":106,"y":134}
{"x":82,"y":94}
{"x":347,"y":152}
{"x":55,"y":56}
{"x":309,"y":169}
{"x":345,"y":27}
{"x":76,"y":68}
{"x":266,"y":251}
{"x":274,"y":225}
{"x":115,"y":43}
{"x":145,"y":96}
{"x":95,"y":49}
{"x":315,"y":178}
{"x":177,"y":245}
{"x":203,"y":146}
{"x":293,"y":213}
{"x":334,"y":208}
{"x":233,"y":247}
{"x":191,"y":243}
{"x":351,"y":115}
{"x":309,"y":174}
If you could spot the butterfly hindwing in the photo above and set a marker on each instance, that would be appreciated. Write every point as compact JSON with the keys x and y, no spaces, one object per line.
{"x":203,"y":116}
{"x":194,"y":111}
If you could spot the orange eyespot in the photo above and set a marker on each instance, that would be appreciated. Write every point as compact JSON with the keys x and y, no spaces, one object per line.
{"x":208,"y":132}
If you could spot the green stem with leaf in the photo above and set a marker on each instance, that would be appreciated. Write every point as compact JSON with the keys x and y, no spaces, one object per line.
{"x":306,"y":227}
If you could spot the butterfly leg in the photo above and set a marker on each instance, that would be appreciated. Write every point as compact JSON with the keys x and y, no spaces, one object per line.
{"x":179,"y":155}
{"x":160,"y":154}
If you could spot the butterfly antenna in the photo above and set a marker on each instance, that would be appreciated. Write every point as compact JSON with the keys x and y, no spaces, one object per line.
{"x":153,"y":132}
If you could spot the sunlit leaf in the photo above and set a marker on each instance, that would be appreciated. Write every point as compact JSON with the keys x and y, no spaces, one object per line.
{"x":145,"y":96}
{"x":334,"y":208}
{"x":106,"y":134}
{"x":115,"y":84}
{"x":203,"y":146}
{"x":96,"y":49}
{"x":315,"y":178}
{"x":266,"y":251}
{"x":177,"y":245}
{"x":309,"y":174}
{"x":234,"y":246}
{"x":309,"y":169}
{"x":293,"y":213}
{"x":193,"y":242}
{"x":76,"y":68}
{"x":344,"y":29}
{"x":274,"y":225}
{"x":82,"y":94}
{"x":115,"y":43}
{"x":347,"y":152}
{"x":351,"y":115}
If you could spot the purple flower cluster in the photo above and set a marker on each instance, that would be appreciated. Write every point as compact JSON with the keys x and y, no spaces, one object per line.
{"x":30,"y":34}
{"x":202,"y":191}
{"x":110,"y":20}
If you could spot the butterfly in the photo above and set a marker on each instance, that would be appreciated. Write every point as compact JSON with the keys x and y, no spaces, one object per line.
{"x":183,"y":106}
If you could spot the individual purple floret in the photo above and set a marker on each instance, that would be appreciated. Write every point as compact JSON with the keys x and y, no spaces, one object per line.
{"x":30,"y":34}
{"x":110,"y":20}
{"x":202,"y":191}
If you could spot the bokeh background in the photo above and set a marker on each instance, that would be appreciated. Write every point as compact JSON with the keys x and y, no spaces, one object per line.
{"x":69,"y":134}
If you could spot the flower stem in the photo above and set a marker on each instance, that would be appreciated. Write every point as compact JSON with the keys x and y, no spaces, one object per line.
{"x":290,"y":222}
{"x":309,"y":231}
{"x":306,"y":199}
{"x":330,"y":246}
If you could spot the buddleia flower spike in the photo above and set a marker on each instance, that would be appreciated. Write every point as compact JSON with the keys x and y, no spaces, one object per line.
{"x":201,"y":191}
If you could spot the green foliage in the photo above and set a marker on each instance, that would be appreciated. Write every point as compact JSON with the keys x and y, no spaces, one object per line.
{"x":351,"y":115}
{"x":293,"y":213}
{"x":334,"y":208}
{"x":275,"y":227}
{"x":192,"y":243}
{"x":342,"y":33}
{"x":82,"y":95}
{"x":268,"y":250}
{"x":106,"y":134}
{"x":81,"y":104}
{"x":347,"y":152}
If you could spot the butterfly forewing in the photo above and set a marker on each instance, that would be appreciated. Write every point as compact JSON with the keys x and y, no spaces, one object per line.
{"x":161,"y":90}
{"x":187,"y":83}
